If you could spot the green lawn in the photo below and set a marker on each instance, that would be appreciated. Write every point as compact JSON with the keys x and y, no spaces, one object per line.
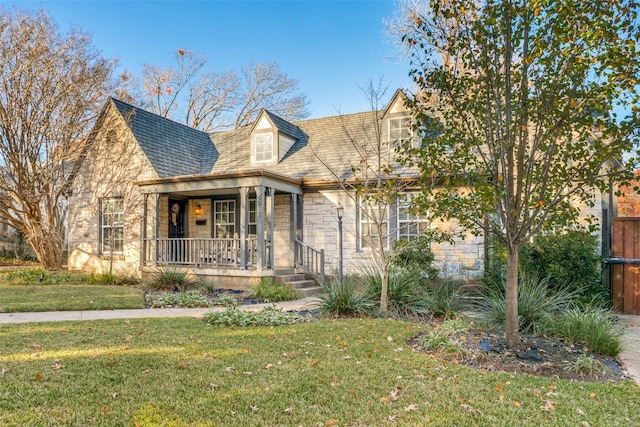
{"x":35,"y":289}
{"x":65,"y":297}
{"x":182,"y":372}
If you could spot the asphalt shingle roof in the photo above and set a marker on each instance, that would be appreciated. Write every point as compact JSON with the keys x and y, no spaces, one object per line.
{"x":322,"y":145}
{"x":172,"y":148}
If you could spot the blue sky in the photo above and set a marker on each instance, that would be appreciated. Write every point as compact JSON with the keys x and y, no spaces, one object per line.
{"x":330,"y":47}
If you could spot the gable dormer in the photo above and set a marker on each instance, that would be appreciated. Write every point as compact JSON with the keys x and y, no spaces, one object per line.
{"x":396,"y":126}
{"x":271,"y":138}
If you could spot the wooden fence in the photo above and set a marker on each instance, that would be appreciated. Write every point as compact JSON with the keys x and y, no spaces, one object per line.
{"x":625,"y":265}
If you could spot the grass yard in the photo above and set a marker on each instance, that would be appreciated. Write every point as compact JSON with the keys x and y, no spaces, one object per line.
{"x":183,"y":372}
{"x":66,"y":297}
{"x":35,"y":289}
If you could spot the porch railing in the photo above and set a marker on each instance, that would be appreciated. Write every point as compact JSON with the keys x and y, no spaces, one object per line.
{"x":311,"y":260}
{"x":200,"y":251}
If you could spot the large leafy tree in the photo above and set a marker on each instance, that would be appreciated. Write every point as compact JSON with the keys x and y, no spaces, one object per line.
{"x":207,"y":100}
{"x":51,"y":87}
{"x":525,"y":109}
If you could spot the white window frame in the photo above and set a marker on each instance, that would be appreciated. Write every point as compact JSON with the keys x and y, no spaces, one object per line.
{"x":399,"y":130}
{"x":410,"y":225}
{"x":366,"y":225}
{"x":263,"y":146}
{"x":111,"y":220}
{"x":224,"y":218}
{"x":252,"y":223}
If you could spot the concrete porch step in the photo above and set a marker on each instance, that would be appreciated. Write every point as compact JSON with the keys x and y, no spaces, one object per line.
{"x":284,"y":271}
{"x":310,"y":292}
{"x":288,"y":278}
{"x":301,"y":284}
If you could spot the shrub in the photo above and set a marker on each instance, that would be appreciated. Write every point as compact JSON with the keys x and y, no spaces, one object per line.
{"x":439,"y":339}
{"x":227,"y":300}
{"x":568,"y":258}
{"x":187,"y":299}
{"x":444,"y":299}
{"x":417,"y":257}
{"x":591,"y":325}
{"x":342,"y":298}
{"x":536,"y":302}
{"x":407,"y":294}
{"x":587,"y":365}
{"x":101,"y":278}
{"x":170,"y":279}
{"x":271,"y":290}
{"x":33,"y":276}
{"x":269,"y":316}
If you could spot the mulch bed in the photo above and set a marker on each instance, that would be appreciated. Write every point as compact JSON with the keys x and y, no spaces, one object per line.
{"x":537,"y":355}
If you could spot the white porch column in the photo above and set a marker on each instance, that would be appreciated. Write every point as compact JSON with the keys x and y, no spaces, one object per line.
{"x":244,"y":227}
{"x":270,"y":202}
{"x":156,"y":229}
{"x":293,"y":219}
{"x":143,"y":231}
{"x":260,"y":255}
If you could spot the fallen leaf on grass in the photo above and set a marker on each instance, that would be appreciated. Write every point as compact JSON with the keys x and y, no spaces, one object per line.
{"x":214,"y":386}
{"x":38,"y":377}
{"x":395,"y":393}
{"x":592,"y":394}
{"x":248,"y":373}
{"x":268,"y":366}
{"x":470,"y":409}
{"x":229,"y":368}
{"x":4,"y":371}
{"x":548,"y":406}
{"x":517,"y":404}
{"x":57,"y":367}
{"x":288,"y":410}
{"x":411,"y":408}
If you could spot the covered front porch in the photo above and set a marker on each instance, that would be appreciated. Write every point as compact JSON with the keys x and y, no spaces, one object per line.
{"x":234,"y":227}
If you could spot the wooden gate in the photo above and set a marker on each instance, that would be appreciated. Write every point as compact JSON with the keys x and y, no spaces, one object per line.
{"x":625,"y":265}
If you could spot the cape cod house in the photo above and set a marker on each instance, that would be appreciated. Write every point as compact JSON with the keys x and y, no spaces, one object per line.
{"x":235,"y":205}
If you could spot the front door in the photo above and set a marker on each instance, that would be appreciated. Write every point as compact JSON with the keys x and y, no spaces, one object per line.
{"x":176,"y":219}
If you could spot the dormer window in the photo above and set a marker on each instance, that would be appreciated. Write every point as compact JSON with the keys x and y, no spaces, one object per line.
{"x":263,"y":147}
{"x":399,"y":130}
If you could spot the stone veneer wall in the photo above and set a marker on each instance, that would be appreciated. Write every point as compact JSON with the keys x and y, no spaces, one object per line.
{"x":98,"y":179}
{"x":282,"y":231}
{"x":462,"y":260}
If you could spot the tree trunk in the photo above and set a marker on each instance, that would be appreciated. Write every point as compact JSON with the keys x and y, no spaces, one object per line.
{"x":384,"y":291}
{"x":47,"y":250}
{"x":512,"y":324}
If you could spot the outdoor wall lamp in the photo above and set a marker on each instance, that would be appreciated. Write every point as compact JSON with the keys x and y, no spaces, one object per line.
{"x":198,"y":210}
{"x":340,"y":212}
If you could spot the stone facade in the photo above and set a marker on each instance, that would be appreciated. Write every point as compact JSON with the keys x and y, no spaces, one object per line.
{"x":105,"y":173}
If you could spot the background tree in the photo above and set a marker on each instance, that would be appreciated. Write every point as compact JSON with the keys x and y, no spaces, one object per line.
{"x":211,"y":101}
{"x":518,"y":108}
{"x":51,"y":88}
{"x":629,"y":199}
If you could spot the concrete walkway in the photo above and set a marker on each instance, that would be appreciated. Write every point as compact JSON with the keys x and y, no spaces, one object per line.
{"x":55,"y":316}
{"x":630,"y":357}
